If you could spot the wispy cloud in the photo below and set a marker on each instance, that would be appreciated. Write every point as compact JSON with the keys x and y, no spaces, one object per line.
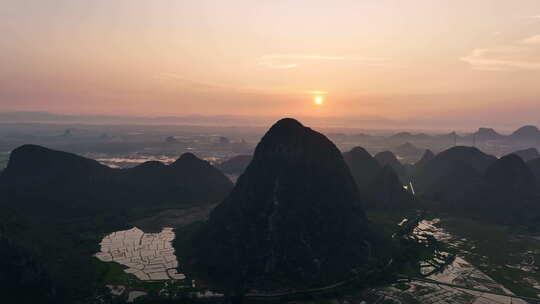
{"x":531,"y":18}
{"x":289,"y":61}
{"x":532,"y":40}
{"x":520,"y":55}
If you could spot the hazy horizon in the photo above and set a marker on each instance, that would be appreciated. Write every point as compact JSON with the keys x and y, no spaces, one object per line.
{"x":396,"y":64}
{"x":349,"y":124}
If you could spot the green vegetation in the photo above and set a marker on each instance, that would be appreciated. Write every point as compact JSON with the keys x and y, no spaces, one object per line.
{"x":62,"y":244}
{"x":111,"y":273}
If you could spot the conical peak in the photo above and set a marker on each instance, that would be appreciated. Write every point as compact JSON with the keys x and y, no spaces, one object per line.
{"x":188,"y":156}
{"x":290,"y":139}
{"x":359,"y":151}
{"x":286,"y":125}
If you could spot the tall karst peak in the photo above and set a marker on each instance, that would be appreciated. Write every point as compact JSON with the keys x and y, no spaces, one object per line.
{"x":295,"y":213}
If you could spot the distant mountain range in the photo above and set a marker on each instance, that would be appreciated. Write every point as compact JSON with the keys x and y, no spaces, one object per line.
{"x":482,"y":134}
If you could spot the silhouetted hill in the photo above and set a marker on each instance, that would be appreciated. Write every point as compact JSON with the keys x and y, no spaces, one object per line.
{"x":527,"y":154}
{"x":39,"y":176}
{"x":65,"y":202}
{"x":386,"y":192}
{"x":449,"y":136}
{"x":293,"y":219}
{"x":379,"y":186}
{"x":471,"y":183}
{"x":511,"y":176}
{"x":364,"y":168}
{"x":406,"y":136}
{"x":509,"y":192}
{"x":407,"y":149}
{"x":527,"y":133}
{"x":426,"y":157}
{"x":534,"y":165}
{"x":387,"y":158}
{"x":236,"y":164}
{"x":453,"y":185}
{"x":450,"y":164}
{"x":487,"y":134}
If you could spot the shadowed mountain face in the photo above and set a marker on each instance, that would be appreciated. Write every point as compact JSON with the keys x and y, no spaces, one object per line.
{"x":506,"y":190}
{"x":449,"y":165}
{"x":427,"y":157}
{"x":387,"y":158}
{"x":526,"y":133}
{"x":509,"y":191}
{"x":363,"y":166}
{"x":510,"y":177}
{"x":534,"y":165}
{"x":379,"y":186}
{"x":454,"y":184}
{"x":527,"y":154}
{"x":63,"y":202}
{"x":42,"y":177}
{"x":386,"y":191}
{"x":235,"y":165}
{"x":294,"y":217}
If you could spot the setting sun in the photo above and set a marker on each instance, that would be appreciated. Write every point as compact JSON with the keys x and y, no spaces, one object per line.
{"x":318,"y":100}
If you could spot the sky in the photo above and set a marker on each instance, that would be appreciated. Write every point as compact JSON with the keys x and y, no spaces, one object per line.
{"x":405,"y":60}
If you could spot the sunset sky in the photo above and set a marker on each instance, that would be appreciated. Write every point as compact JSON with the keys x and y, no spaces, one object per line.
{"x":403,"y":59}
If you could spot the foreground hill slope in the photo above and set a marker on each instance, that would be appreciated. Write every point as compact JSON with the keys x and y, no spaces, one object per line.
{"x":294,"y":217}
{"x":61,"y":204}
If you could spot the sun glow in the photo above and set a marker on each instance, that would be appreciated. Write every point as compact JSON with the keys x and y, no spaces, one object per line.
{"x":318,"y":100}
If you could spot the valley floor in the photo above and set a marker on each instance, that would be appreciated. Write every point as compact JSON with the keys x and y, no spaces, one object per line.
{"x":492,"y":263}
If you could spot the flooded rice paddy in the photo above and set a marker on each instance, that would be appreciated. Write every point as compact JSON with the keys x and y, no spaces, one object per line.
{"x":148,"y":256}
{"x":475,"y":286}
